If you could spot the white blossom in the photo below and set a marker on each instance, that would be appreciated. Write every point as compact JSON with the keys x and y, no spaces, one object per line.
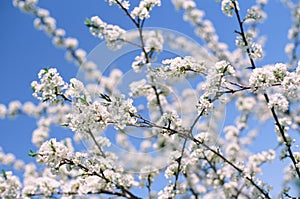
{"x":279,"y":102}
{"x":290,"y":84}
{"x":39,"y":135}
{"x":245,"y":104}
{"x":195,"y":16}
{"x":49,"y":25}
{"x":26,"y":6}
{"x":154,"y":41}
{"x":209,"y":163}
{"x":140,"y":88}
{"x":87,"y":117}
{"x":167,"y":192}
{"x":224,"y":67}
{"x":204,"y":105}
{"x":289,"y":48}
{"x":71,"y":43}
{"x":256,"y":51}
{"x":50,"y":87}
{"x":60,"y":32}
{"x":125,"y":4}
{"x":148,"y":173}
{"x":255,"y":14}
{"x":37,"y":23}
{"x":185,"y":4}
{"x":3,"y":111}
{"x":178,"y":67}
{"x":253,"y":166}
{"x":172,"y":119}
{"x":52,"y":153}
{"x":113,"y":34}
{"x":297,"y":158}
{"x":14,"y":108}
{"x":10,"y":185}
{"x":232,"y":133}
{"x":19,"y":164}
{"x":139,"y":62}
{"x":81,"y":55}
{"x":262,"y":78}
{"x":122,"y":112}
{"x":143,"y":10}
{"x":75,"y":89}
{"x":9,"y":159}
{"x":48,"y":186}
{"x":29,"y":108}
{"x":228,"y":7}
{"x":262,"y":2}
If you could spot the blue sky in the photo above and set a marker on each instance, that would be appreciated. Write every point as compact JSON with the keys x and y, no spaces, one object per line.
{"x":24,"y":50}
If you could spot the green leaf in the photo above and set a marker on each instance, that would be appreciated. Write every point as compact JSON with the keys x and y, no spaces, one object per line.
{"x":52,"y":146}
{"x":32,"y":154}
{"x":4,"y":174}
{"x":46,"y":70}
{"x":88,"y":22}
{"x":83,"y":99}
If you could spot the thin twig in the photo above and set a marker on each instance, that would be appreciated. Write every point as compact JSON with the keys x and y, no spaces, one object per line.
{"x":281,"y":130}
{"x":242,"y":33}
{"x":286,"y":142}
{"x":125,"y":193}
{"x":179,"y":160}
{"x":196,"y":120}
{"x":96,"y":143}
{"x":198,"y":142}
{"x":186,"y":135}
{"x":158,"y":100}
{"x":127,"y":13}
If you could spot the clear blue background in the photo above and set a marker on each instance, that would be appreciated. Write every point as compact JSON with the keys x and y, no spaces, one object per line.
{"x":24,"y":51}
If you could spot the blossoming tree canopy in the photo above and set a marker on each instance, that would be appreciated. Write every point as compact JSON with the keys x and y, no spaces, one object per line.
{"x":154,"y":114}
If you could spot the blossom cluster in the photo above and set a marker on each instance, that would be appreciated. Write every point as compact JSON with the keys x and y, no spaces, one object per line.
{"x":122,"y":111}
{"x":12,"y":110}
{"x":10,"y":185}
{"x":125,"y":4}
{"x":253,"y":166}
{"x":46,"y":23}
{"x":179,"y":67}
{"x":269,"y":75}
{"x":275,"y":75}
{"x":153,"y":41}
{"x":143,"y":10}
{"x":228,"y":7}
{"x":172,"y":120}
{"x":139,"y":62}
{"x":51,"y":86}
{"x":254,"y":49}
{"x":112,"y":34}
{"x":70,"y":173}
{"x":204,"y":28}
{"x":279,"y":102}
{"x":52,"y":153}
{"x":191,"y":151}
{"x":215,"y":81}
{"x":88,"y":115}
{"x":26,"y":6}
{"x":255,"y":14}
{"x":293,"y":33}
